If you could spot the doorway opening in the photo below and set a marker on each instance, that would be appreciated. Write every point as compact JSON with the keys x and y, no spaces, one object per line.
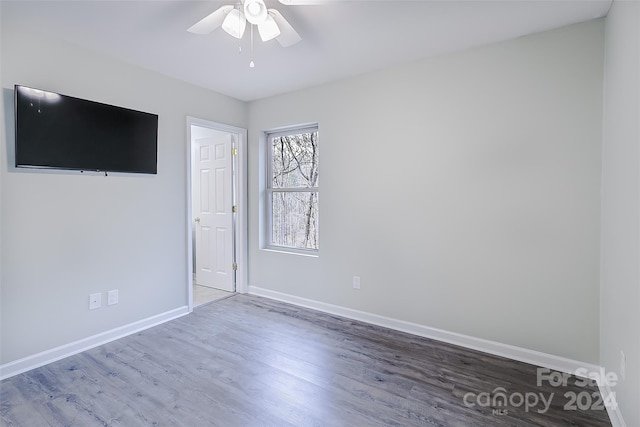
{"x":216,"y":225}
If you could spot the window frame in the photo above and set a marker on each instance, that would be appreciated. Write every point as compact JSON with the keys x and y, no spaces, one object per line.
{"x":270,"y":190}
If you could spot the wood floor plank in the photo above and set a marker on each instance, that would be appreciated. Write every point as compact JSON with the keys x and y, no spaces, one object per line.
{"x":250,"y":361}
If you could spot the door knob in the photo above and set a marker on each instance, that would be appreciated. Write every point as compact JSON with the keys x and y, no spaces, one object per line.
{"x":197,"y":219}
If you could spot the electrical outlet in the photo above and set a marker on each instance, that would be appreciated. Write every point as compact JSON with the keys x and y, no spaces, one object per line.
{"x":95,"y":301}
{"x":623,"y":365}
{"x":356,"y":282}
{"x":112,"y":297}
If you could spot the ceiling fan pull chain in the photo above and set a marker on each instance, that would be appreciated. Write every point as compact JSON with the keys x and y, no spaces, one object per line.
{"x":252,"y":64}
{"x":239,"y":6}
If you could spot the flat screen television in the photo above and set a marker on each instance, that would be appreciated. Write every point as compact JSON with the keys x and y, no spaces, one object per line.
{"x":62,"y":132}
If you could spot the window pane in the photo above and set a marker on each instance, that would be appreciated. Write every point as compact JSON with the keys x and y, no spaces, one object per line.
{"x":295,"y":219}
{"x":295,"y":160}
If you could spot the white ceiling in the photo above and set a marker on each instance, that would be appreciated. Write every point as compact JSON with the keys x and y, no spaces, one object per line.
{"x":339,"y":38}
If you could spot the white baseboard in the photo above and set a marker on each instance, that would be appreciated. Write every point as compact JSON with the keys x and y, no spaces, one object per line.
{"x":40,"y":359}
{"x":533,"y":357}
{"x":615,"y":415}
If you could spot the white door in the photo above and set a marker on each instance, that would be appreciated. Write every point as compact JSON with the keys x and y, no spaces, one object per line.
{"x":212,"y":210}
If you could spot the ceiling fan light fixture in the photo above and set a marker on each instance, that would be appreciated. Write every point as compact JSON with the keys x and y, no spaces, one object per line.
{"x":235,"y":23}
{"x":268,"y":29}
{"x":255,"y":11}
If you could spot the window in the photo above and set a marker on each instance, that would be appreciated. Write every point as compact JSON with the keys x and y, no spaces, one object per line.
{"x":292,"y":189}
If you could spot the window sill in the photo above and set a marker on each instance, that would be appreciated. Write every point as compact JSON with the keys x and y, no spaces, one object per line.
{"x":287,"y":251}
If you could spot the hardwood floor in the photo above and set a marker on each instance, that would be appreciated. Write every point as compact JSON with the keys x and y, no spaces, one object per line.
{"x":250,"y":361}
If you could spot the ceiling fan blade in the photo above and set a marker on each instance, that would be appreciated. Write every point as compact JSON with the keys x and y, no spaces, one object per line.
{"x":210,"y":22}
{"x":288,"y":36}
{"x":306,"y":2}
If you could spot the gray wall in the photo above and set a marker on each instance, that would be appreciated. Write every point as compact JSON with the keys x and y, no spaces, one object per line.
{"x":66,"y":235}
{"x":620,"y":286}
{"x":464,"y":190}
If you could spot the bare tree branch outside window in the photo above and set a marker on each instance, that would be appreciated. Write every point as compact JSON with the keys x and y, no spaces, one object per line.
{"x":294,"y":190}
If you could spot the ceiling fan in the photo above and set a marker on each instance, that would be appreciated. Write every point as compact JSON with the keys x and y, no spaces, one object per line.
{"x":233,"y":19}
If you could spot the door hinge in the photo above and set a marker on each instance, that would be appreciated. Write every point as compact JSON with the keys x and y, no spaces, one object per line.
{"x":234,"y":266}
{"x":234,"y":151}
{"x":234,"y":209}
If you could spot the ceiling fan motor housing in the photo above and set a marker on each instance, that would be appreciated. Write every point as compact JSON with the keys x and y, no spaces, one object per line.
{"x":255,"y":11}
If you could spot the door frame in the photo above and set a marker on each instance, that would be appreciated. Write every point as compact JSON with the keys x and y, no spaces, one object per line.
{"x":241,"y":202}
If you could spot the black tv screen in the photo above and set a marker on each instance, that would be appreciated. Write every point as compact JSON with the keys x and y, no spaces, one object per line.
{"x":63,"y":132}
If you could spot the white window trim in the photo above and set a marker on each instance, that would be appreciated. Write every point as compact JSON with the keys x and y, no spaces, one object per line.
{"x":269,"y":190}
